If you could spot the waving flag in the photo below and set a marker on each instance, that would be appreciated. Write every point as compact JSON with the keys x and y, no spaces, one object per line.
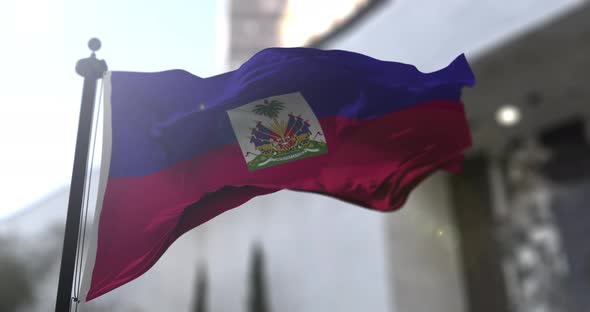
{"x":180,"y":149}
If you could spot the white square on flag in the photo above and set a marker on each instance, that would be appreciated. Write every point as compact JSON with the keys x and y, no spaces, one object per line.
{"x":277,"y":130}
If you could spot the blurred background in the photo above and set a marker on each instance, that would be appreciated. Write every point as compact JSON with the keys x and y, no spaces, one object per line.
{"x":510,"y":233}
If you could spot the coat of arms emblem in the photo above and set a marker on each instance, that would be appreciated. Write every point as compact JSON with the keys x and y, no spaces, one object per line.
{"x":276,"y":130}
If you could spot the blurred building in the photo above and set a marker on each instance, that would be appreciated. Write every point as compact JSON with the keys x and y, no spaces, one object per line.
{"x":507,"y":234}
{"x":451,"y":248}
{"x":531,"y":125}
{"x":253,"y":25}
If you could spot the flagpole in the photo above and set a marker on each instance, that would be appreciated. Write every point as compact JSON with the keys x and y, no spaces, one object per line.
{"x":91,"y":69}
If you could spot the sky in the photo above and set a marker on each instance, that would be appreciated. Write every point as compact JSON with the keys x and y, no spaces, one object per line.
{"x":40,"y":43}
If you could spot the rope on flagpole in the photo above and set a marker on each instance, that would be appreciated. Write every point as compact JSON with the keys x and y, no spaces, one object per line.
{"x":77,"y":263}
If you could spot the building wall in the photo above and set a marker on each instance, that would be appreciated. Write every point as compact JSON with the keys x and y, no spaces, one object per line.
{"x":431,"y":33}
{"x":423,"y":251}
{"x":253,"y":26}
{"x":321,"y":255}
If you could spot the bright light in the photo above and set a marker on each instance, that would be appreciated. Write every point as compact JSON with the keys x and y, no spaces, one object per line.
{"x":508,"y":115}
{"x":40,"y":92}
{"x":307,"y":19}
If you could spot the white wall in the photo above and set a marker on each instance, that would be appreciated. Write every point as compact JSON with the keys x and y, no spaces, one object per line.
{"x":431,"y":33}
{"x":320,"y":254}
{"x":424,"y":251}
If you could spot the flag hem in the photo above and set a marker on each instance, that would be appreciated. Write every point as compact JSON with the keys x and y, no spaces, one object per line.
{"x":102,"y":180}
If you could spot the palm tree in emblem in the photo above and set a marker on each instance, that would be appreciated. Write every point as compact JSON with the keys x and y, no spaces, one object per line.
{"x":269,"y":109}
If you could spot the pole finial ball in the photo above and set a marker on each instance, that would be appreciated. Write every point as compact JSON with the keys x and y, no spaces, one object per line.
{"x":94,"y":44}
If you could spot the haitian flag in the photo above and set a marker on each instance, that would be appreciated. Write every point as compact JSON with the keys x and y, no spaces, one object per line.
{"x":180,"y":149}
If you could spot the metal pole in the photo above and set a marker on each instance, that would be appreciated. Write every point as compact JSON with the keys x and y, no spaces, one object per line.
{"x":91,"y":69}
